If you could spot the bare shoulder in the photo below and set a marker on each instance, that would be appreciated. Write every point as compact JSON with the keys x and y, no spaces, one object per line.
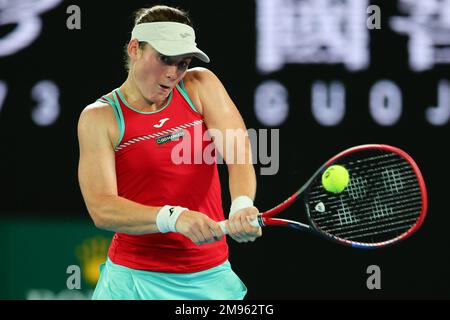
{"x":199,"y":83}
{"x":96,"y":113}
{"x":200,"y":76}
{"x":98,"y":119}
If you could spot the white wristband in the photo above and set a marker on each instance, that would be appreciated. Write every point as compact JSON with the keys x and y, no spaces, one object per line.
{"x":167,"y":218}
{"x":239,"y":203}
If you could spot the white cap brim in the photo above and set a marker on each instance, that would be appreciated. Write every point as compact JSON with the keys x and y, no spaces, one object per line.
{"x":173,"y":48}
{"x":169,"y":38}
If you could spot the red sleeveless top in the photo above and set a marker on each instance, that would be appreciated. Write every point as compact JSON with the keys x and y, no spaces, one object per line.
{"x":159,"y":161}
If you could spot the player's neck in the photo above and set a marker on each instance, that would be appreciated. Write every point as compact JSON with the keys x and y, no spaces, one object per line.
{"x":134,"y":98}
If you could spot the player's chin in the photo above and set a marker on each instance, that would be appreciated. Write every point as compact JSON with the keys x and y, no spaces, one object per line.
{"x":159,"y":98}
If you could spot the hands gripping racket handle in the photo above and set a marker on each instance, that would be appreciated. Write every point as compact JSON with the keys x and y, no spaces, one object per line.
{"x":254,"y":223}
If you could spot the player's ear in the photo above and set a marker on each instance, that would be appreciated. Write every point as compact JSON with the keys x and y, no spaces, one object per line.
{"x":133,"y":49}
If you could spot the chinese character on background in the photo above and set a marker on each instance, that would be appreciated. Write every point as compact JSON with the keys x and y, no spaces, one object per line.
{"x":312,"y":31}
{"x":427,"y":23}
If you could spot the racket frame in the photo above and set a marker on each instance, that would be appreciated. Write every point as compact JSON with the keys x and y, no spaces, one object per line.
{"x":266,"y":218}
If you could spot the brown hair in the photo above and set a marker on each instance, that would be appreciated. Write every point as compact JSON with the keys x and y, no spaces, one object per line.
{"x":158,"y":13}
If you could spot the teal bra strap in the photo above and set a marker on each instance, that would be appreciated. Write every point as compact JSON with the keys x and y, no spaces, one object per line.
{"x":118,"y":114}
{"x":103,"y":99}
{"x":120,"y":121}
{"x":183,"y":92}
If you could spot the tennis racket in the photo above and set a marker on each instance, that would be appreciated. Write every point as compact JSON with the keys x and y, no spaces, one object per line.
{"x":384,"y":202}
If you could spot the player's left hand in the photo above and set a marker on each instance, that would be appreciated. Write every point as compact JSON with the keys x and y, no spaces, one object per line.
{"x":239,"y":227}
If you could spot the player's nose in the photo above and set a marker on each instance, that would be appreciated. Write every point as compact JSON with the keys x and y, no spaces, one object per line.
{"x":171,"y":72}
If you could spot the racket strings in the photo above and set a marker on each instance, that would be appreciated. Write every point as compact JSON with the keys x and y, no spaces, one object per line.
{"x":399,"y":229}
{"x":367,"y":208}
{"x":369,"y":217}
{"x":357,"y":231}
{"x":383,"y":199}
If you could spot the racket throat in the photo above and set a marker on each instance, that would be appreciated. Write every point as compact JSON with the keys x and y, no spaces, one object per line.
{"x":260,"y":220}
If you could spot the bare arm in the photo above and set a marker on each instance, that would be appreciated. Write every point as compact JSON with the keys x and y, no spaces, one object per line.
{"x":231,"y":139}
{"x":97,"y":178}
{"x":221,"y":114}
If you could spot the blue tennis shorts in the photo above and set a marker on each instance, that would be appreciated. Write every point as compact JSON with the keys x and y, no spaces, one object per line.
{"x":117,"y":282}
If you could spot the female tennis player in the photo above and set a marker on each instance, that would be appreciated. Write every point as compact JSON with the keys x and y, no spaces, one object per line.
{"x":168,"y":244}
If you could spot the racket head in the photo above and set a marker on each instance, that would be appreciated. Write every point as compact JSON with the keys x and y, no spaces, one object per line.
{"x":385,"y":201}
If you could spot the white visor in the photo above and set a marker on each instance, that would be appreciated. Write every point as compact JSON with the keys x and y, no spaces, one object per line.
{"x":169,"y":38}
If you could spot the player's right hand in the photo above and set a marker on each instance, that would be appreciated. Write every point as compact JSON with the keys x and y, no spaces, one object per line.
{"x":198,"y":227}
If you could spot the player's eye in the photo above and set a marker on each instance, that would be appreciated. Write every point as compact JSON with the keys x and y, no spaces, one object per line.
{"x":165,"y":59}
{"x":183,"y":65}
{"x":168,"y":61}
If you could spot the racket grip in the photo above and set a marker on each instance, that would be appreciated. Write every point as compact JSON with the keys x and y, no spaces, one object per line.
{"x":254,"y":223}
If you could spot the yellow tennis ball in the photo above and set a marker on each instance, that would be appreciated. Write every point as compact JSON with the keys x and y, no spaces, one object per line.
{"x":335,"y":179}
